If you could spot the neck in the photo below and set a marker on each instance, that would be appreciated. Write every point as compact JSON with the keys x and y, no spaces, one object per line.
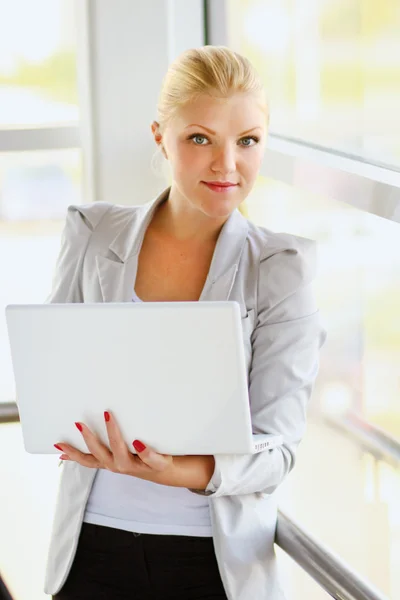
{"x":178,"y":219}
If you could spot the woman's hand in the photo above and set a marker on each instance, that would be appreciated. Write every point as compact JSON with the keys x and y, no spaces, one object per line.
{"x":148,"y":464}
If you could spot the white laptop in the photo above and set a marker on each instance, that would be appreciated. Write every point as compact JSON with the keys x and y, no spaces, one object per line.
{"x":172,"y":373}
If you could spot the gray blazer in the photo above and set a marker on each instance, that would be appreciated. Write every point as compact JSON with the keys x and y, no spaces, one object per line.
{"x":269,"y":275}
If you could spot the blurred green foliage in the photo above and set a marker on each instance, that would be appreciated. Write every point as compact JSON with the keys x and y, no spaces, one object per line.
{"x":56,"y":76}
{"x":388,"y":421}
{"x":354,"y":24}
{"x":381,"y":320}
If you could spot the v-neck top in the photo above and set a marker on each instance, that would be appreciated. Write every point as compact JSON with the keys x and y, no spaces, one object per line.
{"x":135,"y":297}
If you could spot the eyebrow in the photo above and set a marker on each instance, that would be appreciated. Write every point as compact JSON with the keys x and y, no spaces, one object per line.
{"x":214,"y":132}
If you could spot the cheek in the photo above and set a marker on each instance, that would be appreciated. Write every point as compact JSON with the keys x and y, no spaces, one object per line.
{"x":191,"y":160}
{"x":253,"y":163}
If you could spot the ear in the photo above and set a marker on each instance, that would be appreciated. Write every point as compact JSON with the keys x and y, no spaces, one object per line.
{"x":155,"y":128}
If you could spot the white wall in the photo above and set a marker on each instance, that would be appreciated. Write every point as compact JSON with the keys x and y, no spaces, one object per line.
{"x":130,"y":45}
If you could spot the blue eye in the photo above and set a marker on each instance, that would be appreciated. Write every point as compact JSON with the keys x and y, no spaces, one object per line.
{"x":197,"y":135}
{"x":254,"y":138}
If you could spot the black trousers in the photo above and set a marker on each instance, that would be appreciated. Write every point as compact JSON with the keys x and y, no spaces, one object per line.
{"x":111,"y":564}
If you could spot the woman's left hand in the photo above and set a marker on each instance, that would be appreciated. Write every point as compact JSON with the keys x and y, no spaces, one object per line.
{"x":146,"y":464}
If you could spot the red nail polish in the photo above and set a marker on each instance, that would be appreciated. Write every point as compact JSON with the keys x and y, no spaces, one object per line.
{"x":58,"y":447}
{"x":139,"y":447}
{"x":79,"y":426}
{"x":106,"y":415}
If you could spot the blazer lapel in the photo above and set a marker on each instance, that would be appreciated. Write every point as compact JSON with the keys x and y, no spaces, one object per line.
{"x":226,"y":257}
{"x":117,"y":279}
{"x":117,"y":276}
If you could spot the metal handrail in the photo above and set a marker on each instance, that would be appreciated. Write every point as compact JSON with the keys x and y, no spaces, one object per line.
{"x":9,"y":412}
{"x":373,"y":439}
{"x":322,"y":564}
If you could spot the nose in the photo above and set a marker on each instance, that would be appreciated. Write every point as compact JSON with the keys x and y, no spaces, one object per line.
{"x":224,"y":160}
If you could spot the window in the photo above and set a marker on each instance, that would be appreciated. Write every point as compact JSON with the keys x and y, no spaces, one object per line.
{"x":353,"y":498}
{"x":40,"y":175}
{"x":358,"y":288}
{"x":37,"y":63}
{"x":332,"y":69}
{"x":40,"y":157}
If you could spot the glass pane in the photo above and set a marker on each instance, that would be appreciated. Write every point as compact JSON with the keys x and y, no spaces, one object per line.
{"x":359,"y":293}
{"x":35,"y":190}
{"x":354,"y":499}
{"x":296,"y":583}
{"x":27,"y":500}
{"x":38,"y":185}
{"x":332,"y":69}
{"x":37,"y":63}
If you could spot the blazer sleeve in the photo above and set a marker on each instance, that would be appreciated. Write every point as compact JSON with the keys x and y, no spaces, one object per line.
{"x":79,"y":224}
{"x":285,"y":362}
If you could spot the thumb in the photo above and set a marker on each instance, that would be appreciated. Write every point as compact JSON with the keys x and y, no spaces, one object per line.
{"x":154,"y":460}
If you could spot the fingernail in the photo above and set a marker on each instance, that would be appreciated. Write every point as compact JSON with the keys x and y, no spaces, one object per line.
{"x":139,"y":447}
{"x":58,"y":447}
{"x":79,"y":426}
{"x":106,"y":415}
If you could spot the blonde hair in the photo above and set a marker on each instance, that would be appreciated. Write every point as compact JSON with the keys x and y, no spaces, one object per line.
{"x":212,"y":70}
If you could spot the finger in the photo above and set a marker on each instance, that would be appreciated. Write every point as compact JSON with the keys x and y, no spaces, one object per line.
{"x":121,"y":454}
{"x":72,"y":454}
{"x":154,"y":460}
{"x":95,"y":447}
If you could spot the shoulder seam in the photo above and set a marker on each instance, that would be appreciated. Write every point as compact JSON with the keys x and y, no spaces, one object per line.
{"x":92,"y":223}
{"x":85,"y":250}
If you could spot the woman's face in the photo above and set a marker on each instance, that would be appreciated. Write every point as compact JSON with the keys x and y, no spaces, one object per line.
{"x":215,"y":140}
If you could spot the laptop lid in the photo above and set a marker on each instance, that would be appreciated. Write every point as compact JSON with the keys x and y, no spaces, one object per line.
{"x":173,"y":374}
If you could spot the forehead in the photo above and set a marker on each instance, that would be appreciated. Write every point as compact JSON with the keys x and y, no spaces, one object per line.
{"x":239,"y":111}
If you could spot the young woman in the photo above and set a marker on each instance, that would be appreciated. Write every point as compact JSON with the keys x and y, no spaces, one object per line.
{"x":190,"y":527}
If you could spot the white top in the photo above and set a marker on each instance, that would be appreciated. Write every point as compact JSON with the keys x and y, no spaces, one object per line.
{"x":133,"y":504}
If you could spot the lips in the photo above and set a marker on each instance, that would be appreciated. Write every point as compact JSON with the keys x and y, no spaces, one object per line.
{"x":217,"y":186}
{"x":220,"y":183}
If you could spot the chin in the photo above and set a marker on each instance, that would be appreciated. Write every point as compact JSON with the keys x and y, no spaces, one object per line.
{"x":219,"y":212}
{"x":218,"y":208}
